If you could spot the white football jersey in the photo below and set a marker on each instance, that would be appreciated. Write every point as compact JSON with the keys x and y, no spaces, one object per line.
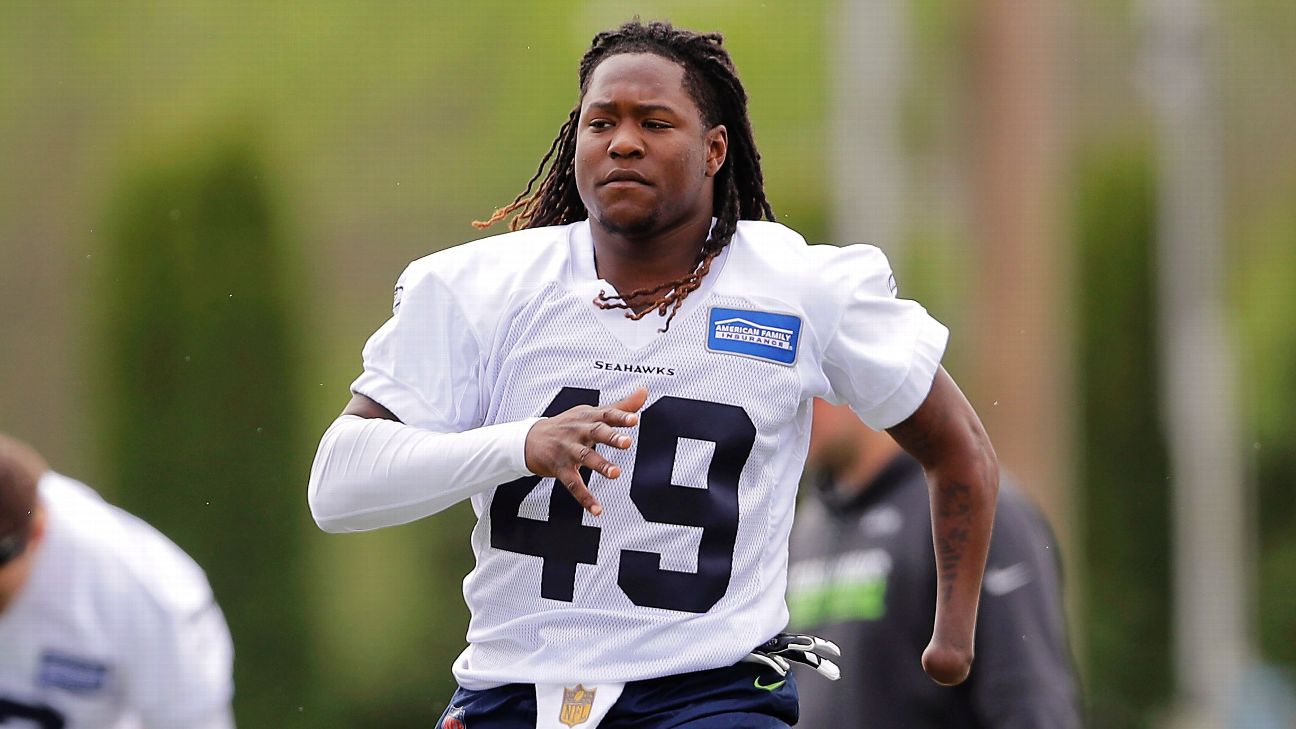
{"x":686,"y":568}
{"x":116,"y":628}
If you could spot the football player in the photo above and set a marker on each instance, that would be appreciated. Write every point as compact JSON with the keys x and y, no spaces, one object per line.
{"x":622,"y":387}
{"x":104,"y":623}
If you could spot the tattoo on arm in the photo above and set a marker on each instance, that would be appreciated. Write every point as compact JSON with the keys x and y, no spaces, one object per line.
{"x":945,"y":435}
{"x":954,"y":506}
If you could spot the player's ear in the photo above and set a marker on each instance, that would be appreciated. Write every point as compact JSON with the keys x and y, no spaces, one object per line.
{"x":717,"y":149}
{"x":37,"y":530}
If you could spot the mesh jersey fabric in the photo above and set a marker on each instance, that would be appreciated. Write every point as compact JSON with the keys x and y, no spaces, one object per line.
{"x":686,"y":568}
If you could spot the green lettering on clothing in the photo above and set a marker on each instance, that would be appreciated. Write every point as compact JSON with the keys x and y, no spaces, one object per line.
{"x":838,"y":601}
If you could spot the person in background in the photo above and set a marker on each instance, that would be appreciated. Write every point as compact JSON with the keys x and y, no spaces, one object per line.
{"x":104,"y":623}
{"x":862,"y":574}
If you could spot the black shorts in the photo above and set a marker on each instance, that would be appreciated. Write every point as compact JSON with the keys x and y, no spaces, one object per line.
{"x":741,"y":696}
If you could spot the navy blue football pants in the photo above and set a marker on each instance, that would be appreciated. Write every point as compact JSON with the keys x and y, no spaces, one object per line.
{"x":741,"y":696}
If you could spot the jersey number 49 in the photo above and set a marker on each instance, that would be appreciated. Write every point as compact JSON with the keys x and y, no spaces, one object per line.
{"x":564,"y":541}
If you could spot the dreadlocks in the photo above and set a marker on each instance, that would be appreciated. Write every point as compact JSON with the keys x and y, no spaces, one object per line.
{"x":712,"y":82}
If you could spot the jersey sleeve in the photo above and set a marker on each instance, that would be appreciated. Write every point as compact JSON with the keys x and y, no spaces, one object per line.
{"x":423,"y":364}
{"x":881,"y":356}
{"x":181,"y":665}
{"x":1023,"y":675}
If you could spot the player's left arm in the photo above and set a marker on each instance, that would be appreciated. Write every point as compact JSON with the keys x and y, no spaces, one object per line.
{"x":947,"y":437}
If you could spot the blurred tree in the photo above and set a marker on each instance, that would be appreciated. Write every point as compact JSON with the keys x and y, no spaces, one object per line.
{"x":1267,"y":307}
{"x":1125,"y":493}
{"x":200,"y":404}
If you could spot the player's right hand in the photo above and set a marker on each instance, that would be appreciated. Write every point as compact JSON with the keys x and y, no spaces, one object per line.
{"x":561,"y":445}
{"x":785,"y":649}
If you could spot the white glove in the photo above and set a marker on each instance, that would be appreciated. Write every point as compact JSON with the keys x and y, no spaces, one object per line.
{"x":784,"y":649}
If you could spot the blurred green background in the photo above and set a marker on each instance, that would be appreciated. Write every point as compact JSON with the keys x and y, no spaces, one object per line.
{"x":203,"y":207}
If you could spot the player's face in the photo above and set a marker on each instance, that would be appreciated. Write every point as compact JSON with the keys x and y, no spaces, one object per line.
{"x":645,"y":161}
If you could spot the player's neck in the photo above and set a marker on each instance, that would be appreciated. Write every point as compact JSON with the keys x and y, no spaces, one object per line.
{"x":630,"y":262}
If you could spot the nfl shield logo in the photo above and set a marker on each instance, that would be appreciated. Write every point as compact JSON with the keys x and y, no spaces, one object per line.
{"x":576,"y":705}
{"x":454,"y":718}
